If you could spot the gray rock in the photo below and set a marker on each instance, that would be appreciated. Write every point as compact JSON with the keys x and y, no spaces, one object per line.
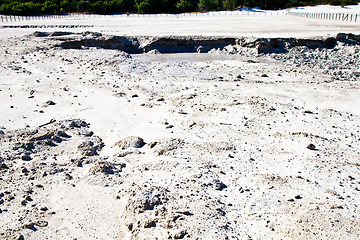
{"x":50,"y":143}
{"x":103,"y":167}
{"x":149,"y":223}
{"x":87,"y":148}
{"x":3,"y":166}
{"x":26,"y":157}
{"x":130,"y":226}
{"x":128,"y":152}
{"x":43,"y":135}
{"x":154,"y":51}
{"x":311,"y":146}
{"x":166,"y":146}
{"x":49,"y":103}
{"x":60,"y":33}
{"x":218,"y":185}
{"x":77,"y":123}
{"x":91,"y":147}
{"x":86,"y":132}
{"x":30,"y":226}
{"x":132,"y":141}
{"x":62,"y":134}
{"x":41,"y":34}
{"x":148,"y":200}
{"x":180,"y":234}
{"x":41,"y":223}
{"x":357,"y":73}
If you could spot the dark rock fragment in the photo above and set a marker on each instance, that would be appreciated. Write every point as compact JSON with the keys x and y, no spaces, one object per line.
{"x":76,"y":123}
{"x":180,"y":234}
{"x":149,"y":224}
{"x":49,"y":103}
{"x":41,"y":223}
{"x":218,"y":185}
{"x":62,"y":134}
{"x":311,"y":147}
{"x":3,"y":166}
{"x":26,"y":157}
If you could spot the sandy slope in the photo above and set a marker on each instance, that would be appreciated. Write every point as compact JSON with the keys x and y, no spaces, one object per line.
{"x":225,"y":153}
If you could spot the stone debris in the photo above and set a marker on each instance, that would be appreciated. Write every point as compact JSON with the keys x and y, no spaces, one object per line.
{"x":165,"y":147}
{"x":43,"y":135}
{"x":49,"y":103}
{"x":154,"y":51}
{"x":149,"y":223}
{"x":180,"y":234}
{"x":227,"y":132}
{"x":106,"y":167}
{"x":218,"y":185}
{"x":26,"y":157}
{"x":91,"y":147}
{"x":144,"y":201}
{"x":311,"y":146}
{"x":131,"y":142}
{"x":76,"y":123}
{"x":128,"y":152}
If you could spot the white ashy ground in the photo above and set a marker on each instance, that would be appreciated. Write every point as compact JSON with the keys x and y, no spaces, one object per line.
{"x":351,"y":9}
{"x":235,"y":24}
{"x":225,"y":157}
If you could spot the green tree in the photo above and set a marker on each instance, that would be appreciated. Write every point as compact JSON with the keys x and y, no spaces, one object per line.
{"x":156,"y":6}
{"x":83,"y":6}
{"x":184,"y":6}
{"x":6,"y":9}
{"x":67,"y":6}
{"x":230,"y":4}
{"x":144,"y":6}
{"x":208,"y":5}
{"x":50,"y":7}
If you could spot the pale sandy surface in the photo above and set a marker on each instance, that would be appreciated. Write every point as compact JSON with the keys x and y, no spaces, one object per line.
{"x":351,"y":9}
{"x":225,"y":154}
{"x":274,"y":24}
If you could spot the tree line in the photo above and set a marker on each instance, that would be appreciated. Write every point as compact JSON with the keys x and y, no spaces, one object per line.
{"x":38,"y":7}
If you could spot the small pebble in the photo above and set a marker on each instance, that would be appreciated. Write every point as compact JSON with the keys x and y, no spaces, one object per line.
{"x":311,"y":146}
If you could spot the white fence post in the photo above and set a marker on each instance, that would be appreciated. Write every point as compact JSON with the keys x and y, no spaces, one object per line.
{"x":349,"y":17}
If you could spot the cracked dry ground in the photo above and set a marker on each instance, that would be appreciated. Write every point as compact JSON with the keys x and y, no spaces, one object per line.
{"x":96,"y":144}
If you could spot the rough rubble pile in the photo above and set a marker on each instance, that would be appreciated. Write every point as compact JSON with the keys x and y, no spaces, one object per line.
{"x":341,"y":62}
{"x":338,"y":57}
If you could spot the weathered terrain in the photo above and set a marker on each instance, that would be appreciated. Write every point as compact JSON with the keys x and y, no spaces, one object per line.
{"x":255,"y":140}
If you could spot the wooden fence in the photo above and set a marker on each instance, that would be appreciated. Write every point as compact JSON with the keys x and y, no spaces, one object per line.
{"x":12,"y":18}
{"x":327,"y":16}
{"x":349,"y":17}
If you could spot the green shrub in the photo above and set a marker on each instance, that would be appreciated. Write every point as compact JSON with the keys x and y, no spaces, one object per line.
{"x":83,"y":6}
{"x":183,"y":6}
{"x":208,"y":5}
{"x":6,"y":9}
{"x":50,"y":7}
